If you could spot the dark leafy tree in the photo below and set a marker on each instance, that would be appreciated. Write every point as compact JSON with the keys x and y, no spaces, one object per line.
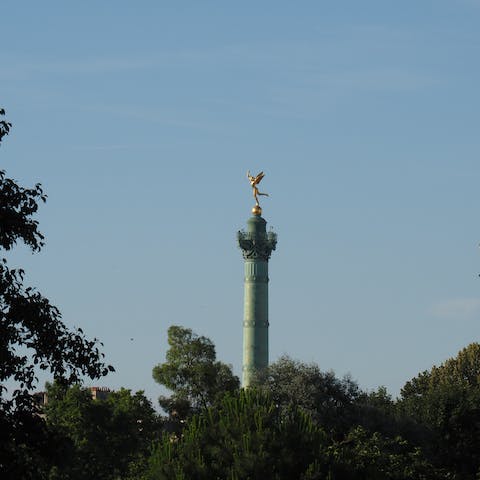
{"x":101,"y":438}
{"x":330,"y":401}
{"x":363,"y":455}
{"x":243,"y":437}
{"x":336,"y":404}
{"x":193,"y":374}
{"x":376,"y":411}
{"x":4,"y":125}
{"x":32,"y":336}
{"x":247,"y":436}
{"x":445,"y":401}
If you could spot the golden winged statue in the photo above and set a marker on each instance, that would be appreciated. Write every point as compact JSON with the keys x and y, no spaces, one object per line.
{"x":254,"y":181}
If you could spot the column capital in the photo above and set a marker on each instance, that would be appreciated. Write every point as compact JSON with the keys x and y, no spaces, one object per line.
{"x":256,"y":242}
{"x":257,"y":245}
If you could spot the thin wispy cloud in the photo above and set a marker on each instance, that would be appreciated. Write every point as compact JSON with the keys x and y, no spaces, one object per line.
{"x":457,"y":309}
{"x":285,"y":56}
{"x":188,"y":118}
{"x":386,"y":79}
{"x":101,"y":147}
{"x":86,"y":66}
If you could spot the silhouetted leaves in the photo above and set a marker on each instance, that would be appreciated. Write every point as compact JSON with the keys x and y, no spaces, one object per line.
{"x":4,"y":125}
{"x":32,"y":335}
{"x":248,"y":436}
{"x":192,"y":372}
{"x":445,"y":401}
{"x":101,"y":438}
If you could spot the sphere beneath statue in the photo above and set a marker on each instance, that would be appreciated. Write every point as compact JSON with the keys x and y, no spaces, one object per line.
{"x":257,"y":210}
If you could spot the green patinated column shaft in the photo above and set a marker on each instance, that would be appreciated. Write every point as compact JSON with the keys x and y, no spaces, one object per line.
{"x":257,"y":246}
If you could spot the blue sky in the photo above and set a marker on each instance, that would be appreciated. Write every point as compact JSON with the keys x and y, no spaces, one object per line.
{"x":141,"y":120}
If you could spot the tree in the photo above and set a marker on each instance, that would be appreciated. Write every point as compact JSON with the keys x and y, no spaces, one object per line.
{"x":32,"y":334}
{"x":247,"y":436}
{"x":4,"y":125}
{"x":329,"y":400}
{"x":243,"y":437}
{"x":101,"y":438}
{"x":192,"y":372}
{"x":376,"y":411}
{"x":446,"y":402}
{"x":363,"y":455}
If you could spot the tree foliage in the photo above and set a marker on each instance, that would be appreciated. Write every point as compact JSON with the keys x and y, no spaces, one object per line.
{"x":242,"y":437}
{"x":193,"y":374}
{"x":248,"y":436}
{"x":329,"y":400}
{"x":446,"y":402}
{"x":32,"y":334}
{"x":100,"y":438}
{"x":4,"y":125}
{"x":363,"y":455}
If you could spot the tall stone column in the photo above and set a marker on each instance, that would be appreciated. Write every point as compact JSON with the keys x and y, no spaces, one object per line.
{"x":256,"y":245}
